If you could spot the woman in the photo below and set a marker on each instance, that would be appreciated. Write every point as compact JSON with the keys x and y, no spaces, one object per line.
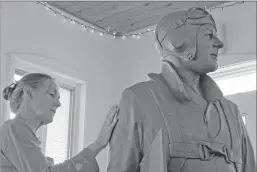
{"x":34,"y":100}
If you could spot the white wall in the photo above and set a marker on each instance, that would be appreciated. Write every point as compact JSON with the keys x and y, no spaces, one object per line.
{"x":107,"y":65}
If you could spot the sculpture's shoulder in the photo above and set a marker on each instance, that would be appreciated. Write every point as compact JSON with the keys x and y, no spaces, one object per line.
{"x":140,"y":97}
{"x":229,"y":104}
{"x":140,"y":94}
{"x":231,"y":109}
{"x":145,"y":87}
{"x":141,"y":87}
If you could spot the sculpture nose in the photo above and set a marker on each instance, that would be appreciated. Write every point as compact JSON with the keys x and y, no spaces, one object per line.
{"x":218,"y":43}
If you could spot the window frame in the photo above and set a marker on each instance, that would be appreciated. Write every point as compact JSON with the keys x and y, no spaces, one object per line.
{"x":66,"y":77}
{"x":234,"y":70}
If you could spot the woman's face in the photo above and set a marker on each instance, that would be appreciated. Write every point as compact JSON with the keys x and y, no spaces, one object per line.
{"x":45,"y":101}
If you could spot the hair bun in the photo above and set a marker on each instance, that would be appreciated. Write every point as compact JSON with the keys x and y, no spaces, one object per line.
{"x":7,"y":92}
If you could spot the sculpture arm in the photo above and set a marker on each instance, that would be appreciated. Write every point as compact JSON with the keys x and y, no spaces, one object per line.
{"x":126,"y":144}
{"x":249,"y":163}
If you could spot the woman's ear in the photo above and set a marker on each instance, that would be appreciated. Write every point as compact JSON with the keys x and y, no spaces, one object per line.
{"x":28,"y":92}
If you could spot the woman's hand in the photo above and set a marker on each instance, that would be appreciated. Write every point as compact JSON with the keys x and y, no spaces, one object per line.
{"x":109,"y":124}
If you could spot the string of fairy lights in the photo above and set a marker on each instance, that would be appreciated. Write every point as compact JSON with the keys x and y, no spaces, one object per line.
{"x":65,"y":18}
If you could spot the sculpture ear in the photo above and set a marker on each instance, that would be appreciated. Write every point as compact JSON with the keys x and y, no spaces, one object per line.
{"x":185,"y":49}
{"x":176,"y":46}
{"x":176,"y":42}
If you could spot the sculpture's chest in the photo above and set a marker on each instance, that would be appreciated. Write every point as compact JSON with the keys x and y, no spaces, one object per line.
{"x":190,"y":122}
{"x":198,"y":123}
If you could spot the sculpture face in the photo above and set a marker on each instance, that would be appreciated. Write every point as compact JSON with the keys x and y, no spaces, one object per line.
{"x":207,"y":47}
{"x":190,"y":35}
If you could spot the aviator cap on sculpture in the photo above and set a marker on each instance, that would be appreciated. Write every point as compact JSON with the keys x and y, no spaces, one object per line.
{"x":176,"y":33}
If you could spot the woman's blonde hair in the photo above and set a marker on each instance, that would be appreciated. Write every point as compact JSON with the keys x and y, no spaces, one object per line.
{"x":14,"y":92}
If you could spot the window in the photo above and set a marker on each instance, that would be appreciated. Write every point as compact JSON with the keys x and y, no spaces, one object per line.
{"x":238,"y":84}
{"x":56,"y":137}
{"x":236,"y":79}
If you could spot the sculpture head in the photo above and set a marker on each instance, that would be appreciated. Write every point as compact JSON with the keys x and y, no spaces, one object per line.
{"x":189,"y":36}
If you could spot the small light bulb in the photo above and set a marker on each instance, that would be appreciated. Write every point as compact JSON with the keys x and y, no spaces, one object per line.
{"x":55,"y":14}
{"x":64,"y":20}
{"x":134,"y":36}
{"x":101,"y":34}
{"x":123,"y":37}
{"x":138,"y":36}
{"x":83,"y":27}
{"x":92,"y":30}
{"x":47,"y":8}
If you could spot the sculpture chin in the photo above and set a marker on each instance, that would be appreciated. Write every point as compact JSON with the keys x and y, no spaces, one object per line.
{"x":215,"y":67}
{"x":203,"y":68}
{"x":209,"y":69}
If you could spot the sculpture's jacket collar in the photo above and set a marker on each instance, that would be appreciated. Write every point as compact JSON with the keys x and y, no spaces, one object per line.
{"x":168,"y":75}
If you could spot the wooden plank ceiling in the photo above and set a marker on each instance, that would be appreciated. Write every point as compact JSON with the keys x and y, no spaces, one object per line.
{"x":124,"y":17}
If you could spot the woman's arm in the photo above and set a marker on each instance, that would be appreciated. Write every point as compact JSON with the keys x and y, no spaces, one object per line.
{"x":25,"y":154}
